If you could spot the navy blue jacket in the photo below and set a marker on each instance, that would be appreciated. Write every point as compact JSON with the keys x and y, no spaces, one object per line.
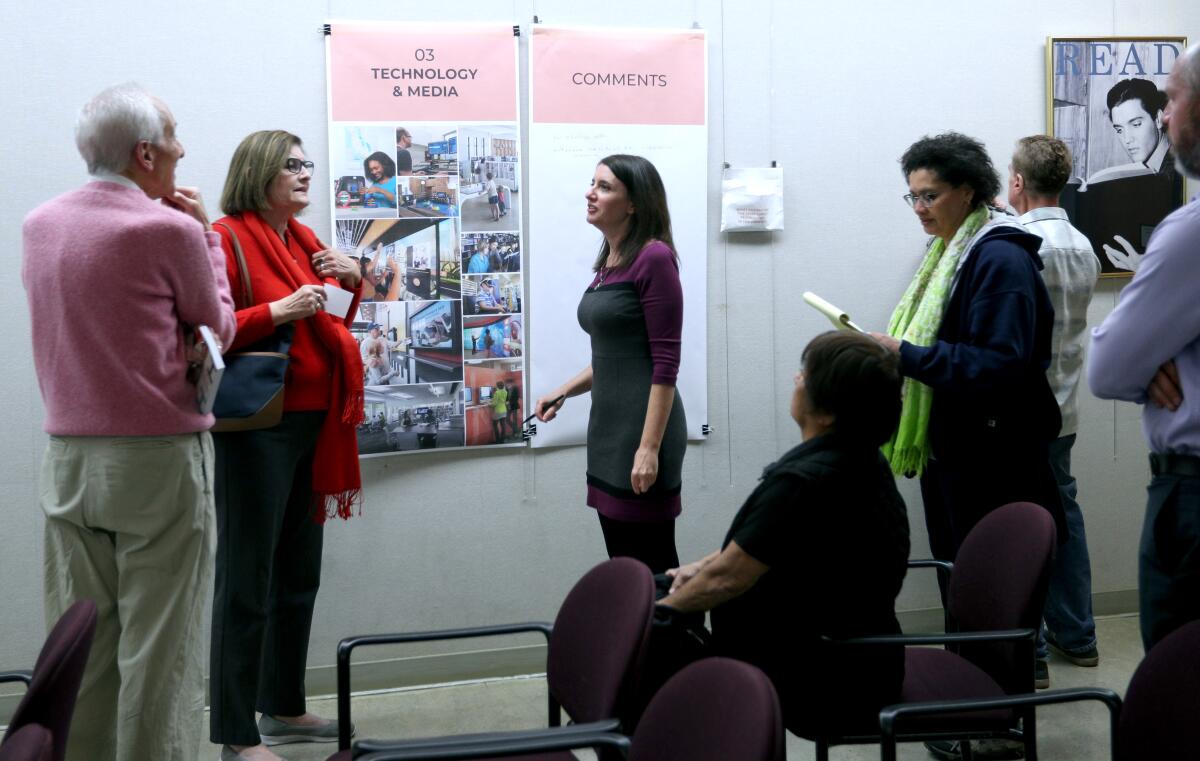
{"x":988,"y":366}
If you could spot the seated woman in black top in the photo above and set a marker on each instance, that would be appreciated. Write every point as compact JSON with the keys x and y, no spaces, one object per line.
{"x":819,"y":548}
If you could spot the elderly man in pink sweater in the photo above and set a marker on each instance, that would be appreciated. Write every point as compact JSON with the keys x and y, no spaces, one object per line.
{"x":114,"y":272}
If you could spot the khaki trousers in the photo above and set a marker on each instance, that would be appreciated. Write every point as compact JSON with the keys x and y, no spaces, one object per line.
{"x":130,"y":526}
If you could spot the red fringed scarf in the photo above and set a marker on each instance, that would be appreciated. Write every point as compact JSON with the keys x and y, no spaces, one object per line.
{"x":336,"y":482}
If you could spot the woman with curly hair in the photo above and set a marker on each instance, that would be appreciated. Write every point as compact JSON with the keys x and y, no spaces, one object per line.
{"x":973,"y":334}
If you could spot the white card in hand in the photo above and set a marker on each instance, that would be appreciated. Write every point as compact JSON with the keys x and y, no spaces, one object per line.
{"x":337,"y":300}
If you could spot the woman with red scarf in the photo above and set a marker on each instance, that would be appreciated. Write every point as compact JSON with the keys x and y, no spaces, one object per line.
{"x":276,"y":486}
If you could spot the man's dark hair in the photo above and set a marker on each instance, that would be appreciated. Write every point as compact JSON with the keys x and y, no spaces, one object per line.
{"x":385,"y":161}
{"x":956,"y":159}
{"x":855,"y":379}
{"x":1153,"y":99}
{"x":1044,"y":162}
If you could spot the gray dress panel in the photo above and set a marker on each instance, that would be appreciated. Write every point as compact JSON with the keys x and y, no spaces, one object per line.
{"x":621,"y":371}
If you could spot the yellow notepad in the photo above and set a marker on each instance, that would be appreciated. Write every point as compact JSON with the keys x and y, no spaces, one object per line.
{"x":840,"y":319}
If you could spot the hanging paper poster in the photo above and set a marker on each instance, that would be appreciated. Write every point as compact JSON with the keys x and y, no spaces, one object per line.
{"x":592,"y":93}
{"x":425,"y":167}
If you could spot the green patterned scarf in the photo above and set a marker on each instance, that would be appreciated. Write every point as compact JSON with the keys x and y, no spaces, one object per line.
{"x":916,"y":319}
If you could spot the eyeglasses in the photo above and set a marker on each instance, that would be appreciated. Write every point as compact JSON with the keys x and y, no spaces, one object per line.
{"x":294,"y":165}
{"x":925,"y":199}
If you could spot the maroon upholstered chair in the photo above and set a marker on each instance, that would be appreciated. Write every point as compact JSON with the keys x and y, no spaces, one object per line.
{"x":31,"y":742}
{"x":712,"y":710}
{"x":1157,"y":719}
{"x":717,"y":708}
{"x":995,"y":596}
{"x":54,"y":683}
{"x":1162,"y":704}
{"x":594,"y":649}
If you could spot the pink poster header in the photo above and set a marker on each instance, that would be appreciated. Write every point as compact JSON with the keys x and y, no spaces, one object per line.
{"x":391,"y":72}
{"x":625,"y":76}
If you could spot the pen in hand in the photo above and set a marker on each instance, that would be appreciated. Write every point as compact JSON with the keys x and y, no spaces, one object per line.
{"x":553,"y":403}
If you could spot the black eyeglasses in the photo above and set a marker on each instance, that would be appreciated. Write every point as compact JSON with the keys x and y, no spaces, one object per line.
{"x":294,"y":165}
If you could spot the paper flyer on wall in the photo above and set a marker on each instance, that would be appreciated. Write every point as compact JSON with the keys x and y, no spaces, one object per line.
{"x":595,"y":92}
{"x":424,"y":142}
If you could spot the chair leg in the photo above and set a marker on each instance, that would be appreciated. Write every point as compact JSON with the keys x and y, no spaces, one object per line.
{"x":822,"y":750}
{"x":1029,"y":735}
{"x":965,"y":746}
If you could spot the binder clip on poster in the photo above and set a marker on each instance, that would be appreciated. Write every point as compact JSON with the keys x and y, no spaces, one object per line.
{"x":752,"y":199}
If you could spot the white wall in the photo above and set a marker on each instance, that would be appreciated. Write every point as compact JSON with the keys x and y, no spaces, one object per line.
{"x":833,"y":92}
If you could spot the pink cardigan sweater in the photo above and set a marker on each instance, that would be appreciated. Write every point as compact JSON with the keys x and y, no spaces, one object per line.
{"x":112,"y":277}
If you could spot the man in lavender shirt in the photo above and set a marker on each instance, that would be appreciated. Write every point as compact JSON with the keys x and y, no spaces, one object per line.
{"x":114,"y":271}
{"x":1148,"y":350}
{"x":1040,"y":168}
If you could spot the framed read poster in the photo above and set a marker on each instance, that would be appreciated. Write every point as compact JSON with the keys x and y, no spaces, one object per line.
{"x":1104,"y":99}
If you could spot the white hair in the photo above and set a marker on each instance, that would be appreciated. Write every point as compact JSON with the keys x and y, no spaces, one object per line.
{"x":112,"y":123}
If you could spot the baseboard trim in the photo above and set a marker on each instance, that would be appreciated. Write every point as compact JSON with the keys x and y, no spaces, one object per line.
{"x":1119,"y":603}
{"x":498,"y":663}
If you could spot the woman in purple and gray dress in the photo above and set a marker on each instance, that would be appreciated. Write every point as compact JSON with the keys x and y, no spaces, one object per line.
{"x":633,"y":311}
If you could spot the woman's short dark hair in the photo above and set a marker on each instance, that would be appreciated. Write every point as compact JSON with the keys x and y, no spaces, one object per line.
{"x":385,"y":161}
{"x":957,"y":160}
{"x":1153,"y":99}
{"x":651,"y":219}
{"x":857,"y":380}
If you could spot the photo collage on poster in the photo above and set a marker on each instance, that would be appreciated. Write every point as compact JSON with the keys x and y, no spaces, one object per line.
{"x":430,"y":211}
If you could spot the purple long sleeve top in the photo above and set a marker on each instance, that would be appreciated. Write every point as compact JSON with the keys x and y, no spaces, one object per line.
{"x":656,"y":277}
{"x":1157,"y":320}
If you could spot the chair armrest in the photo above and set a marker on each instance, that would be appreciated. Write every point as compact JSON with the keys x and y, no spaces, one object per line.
{"x":890,"y":714}
{"x":943,"y":566}
{"x":587,"y":735}
{"x":944,"y":570}
{"x":948,"y":638}
{"x":1025,"y":641}
{"x":347,"y":646}
{"x":20,"y":675}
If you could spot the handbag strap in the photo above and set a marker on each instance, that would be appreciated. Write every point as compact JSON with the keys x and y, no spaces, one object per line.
{"x":243,"y":271}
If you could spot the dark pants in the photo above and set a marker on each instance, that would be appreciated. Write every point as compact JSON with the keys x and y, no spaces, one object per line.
{"x":958,"y":495}
{"x":951,"y":510}
{"x":1169,"y":560}
{"x":498,"y":428}
{"x":267,"y":575}
{"x":652,"y":543}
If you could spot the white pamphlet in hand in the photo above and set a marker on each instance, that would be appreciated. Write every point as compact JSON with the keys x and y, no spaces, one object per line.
{"x":210,"y":369}
{"x":337,"y":300}
{"x":840,"y":319}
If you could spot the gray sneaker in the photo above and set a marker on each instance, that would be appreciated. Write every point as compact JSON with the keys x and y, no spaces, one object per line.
{"x":275,"y":732}
{"x":1087,"y":657}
